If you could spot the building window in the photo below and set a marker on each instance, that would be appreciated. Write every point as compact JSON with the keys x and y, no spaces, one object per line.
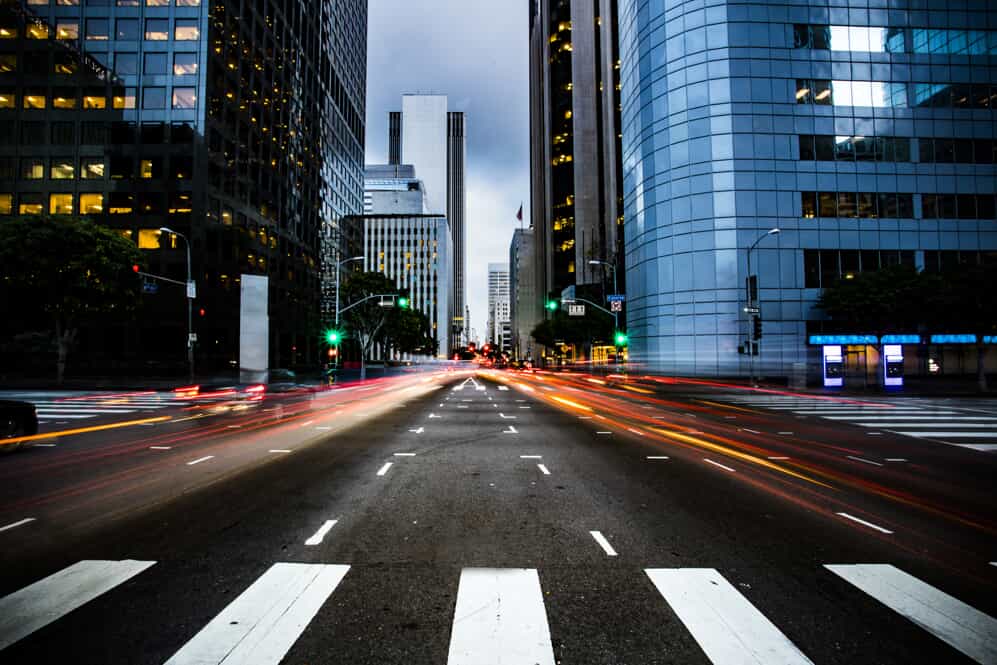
{"x":36,"y":31}
{"x":120,"y":203}
{"x":6,"y":204}
{"x":186,"y":30}
{"x":60,"y":204}
{"x":32,"y":168}
{"x":91,"y":204}
{"x":34,"y":98}
{"x":8,"y":99}
{"x":98,"y":29}
{"x":8,"y":27}
{"x":157,"y":3}
{"x":30,"y":204}
{"x":65,"y":64}
{"x":868,"y":205}
{"x":92,"y":168}
{"x":184,"y":98}
{"x":64,"y":98}
{"x":62,"y":168}
{"x":155,"y":63}
{"x":126,"y":29}
{"x":94,"y":100}
{"x":961,"y":206}
{"x":149,"y":238}
{"x":8,"y":63}
{"x":154,"y":98}
{"x":68,"y":29}
{"x":126,"y":64}
{"x":188,"y":3}
{"x":157,"y":29}
{"x":184,"y":63}
{"x":124,"y":98}
{"x":151,"y":168}
{"x":122,"y":167}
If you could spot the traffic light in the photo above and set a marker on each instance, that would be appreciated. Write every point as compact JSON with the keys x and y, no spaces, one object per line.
{"x":135,"y":268}
{"x":402,"y":302}
{"x":333,"y":337}
{"x":756,"y":328}
{"x":553,"y":305}
{"x":620,"y":338}
{"x":201,"y":311}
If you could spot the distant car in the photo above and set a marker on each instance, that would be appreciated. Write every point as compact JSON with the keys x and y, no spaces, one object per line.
{"x":17,"y":419}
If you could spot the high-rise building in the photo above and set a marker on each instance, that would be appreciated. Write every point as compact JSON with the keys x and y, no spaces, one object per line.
{"x":393,"y":189}
{"x":499,"y":331}
{"x":237,"y":124}
{"x":432,"y":139}
{"x":865,"y":135}
{"x":522,"y":293}
{"x":576,"y":172}
{"x":414,"y":250}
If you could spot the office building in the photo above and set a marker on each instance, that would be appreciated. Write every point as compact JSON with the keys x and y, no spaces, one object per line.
{"x":576,"y":185}
{"x":522,"y":293}
{"x":499,"y":329}
{"x":238,"y":124}
{"x":393,"y":189}
{"x":865,"y":134}
{"x":414,"y":251}
{"x":432,"y":139}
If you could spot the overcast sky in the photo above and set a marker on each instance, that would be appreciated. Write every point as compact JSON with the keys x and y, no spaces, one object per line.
{"x":475,"y":52}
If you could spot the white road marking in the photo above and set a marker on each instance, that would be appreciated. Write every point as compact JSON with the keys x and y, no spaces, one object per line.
{"x":280,"y":450}
{"x":603,"y":543}
{"x":433,"y":415}
{"x":404,"y":454}
{"x":323,"y":429}
{"x":543,"y":469}
{"x":43,"y":445}
{"x":729,"y":629}
{"x":656,"y":457}
{"x":753,"y":431}
{"x":895,"y":459}
{"x":982,"y":447}
{"x":865,"y":461}
{"x":160,"y":447}
{"x":786,"y":433}
{"x":200,"y":459}
{"x":419,"y":430}
{"x":461,"y":406}
{"x":531,"y":457}
{"x":321,"y":533}
{"x":950,"y":423}
{"x":636,"y":431}
{"x":779,"y":458}
{"x":306,"y":424}
{"x":235,"y":426}
{"x":585,"y":417}
{"x":520,"y":400}
{"x":263,"y":623}
{"x":603,"y":432}
{"x":35,"y":606}
{"x":725,"y":468}
{"x":511,"y":430}
{"x":523,"y":407}
{"x":502,"y":415}
{"x":384,"y":469}
{"x":874,"y":433}
{"x":953,"y":435}
{"x":503,"y":387}
{"x":500,"y":618}
{"x":864,"y":523}
{"x":953,"y":418}
{"x":993,"y":563}
{"x":26,"y":520}
{"x":961,"y":626}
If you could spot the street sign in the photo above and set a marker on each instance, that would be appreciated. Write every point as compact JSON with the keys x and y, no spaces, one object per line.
{"x":150,"y":287}
{"x":753,"y":310}
{"x":576,"y":310}
{"x":191,"y":289}
{"x":615,"y":305}
{"x":192,"y":338}
{"x":616,"y":298}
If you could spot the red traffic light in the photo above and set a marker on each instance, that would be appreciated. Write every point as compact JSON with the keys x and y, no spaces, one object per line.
{"x":201,"y":311}
{"x":135,"y":268}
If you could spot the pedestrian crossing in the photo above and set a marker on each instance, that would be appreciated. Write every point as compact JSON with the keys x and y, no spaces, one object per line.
{"x":944,"y":421}
{"x":500,"y":614}
{"x":67,"y":408}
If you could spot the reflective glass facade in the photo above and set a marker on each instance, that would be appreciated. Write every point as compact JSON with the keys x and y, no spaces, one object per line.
{"x":864,"y":131}
{"x":238,"y":123}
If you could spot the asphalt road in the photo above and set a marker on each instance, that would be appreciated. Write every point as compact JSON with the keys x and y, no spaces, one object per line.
{"x":500,"y":518}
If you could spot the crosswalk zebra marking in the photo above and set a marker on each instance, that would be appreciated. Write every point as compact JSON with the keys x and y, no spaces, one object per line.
{"x":727,"y":627}
{"x":961,"y":626}
{"x":500,"y":618}
{"x":263,"y":623}
{"x":35,"y":606}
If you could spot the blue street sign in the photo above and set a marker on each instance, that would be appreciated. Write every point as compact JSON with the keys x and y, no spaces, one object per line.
{"x":616,"y":298}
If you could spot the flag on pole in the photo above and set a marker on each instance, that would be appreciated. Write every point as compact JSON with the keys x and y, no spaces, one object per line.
{"x":519,"y":215}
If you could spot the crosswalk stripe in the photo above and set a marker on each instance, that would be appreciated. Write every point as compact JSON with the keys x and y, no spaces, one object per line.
{"x":728,"y":628}
{"x":263,"y":623}
{"x":85,"y":412}
{"x":914,"y":418}
{"x":967,"y":629}
{"x":63,"y":416}
{"x":35,"y":606}
{"x":500,"y":618}
{"x":922,"y":425}
{"x":982,"y":447}
{"x":953,"y":435}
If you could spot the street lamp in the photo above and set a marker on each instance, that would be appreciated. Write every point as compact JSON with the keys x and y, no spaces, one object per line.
{"x":191,"y":292}
{"x":753,"y":308}
{"x":339,"y":267}
{"x":611,"y":266}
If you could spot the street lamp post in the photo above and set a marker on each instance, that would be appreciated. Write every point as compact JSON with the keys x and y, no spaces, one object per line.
{"x":339,"y":267}
{"x":191,"y":292}
{"x":611,"y":266}
{"x":753,"y":305}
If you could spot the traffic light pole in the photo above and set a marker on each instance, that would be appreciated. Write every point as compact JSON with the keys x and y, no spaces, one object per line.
{"x":753,"y":309}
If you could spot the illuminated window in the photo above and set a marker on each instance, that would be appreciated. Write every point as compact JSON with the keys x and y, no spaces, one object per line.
{"x":36,"y":31}
{"x":98,"y":29}
{"x":6,"y":204}
{"x":32,"y":168}
{"x":227,"y":217}
{"x":180,"y":205}
{"x":184,"y":63}
{"x":67,"y":29}
{"x":64,"y":98}
{"x":127,"y":3}
{"x":62,"y":168}
{"x":150,"y":168}
{"x":124,"y":99}
{"x":60,"y":204}
{"x":120,"y":203}
{"x":65,"y":64}
{"x":8,"y":63}
{"x":34,"y":99}
{"x":186,"y":30}
{"x":94,"y":100}
{"x":67,"y":3}
{"x":149,"y":238}
{"x":30,"y":204}
{"x":157,"y":29}
{"x":184,"y":98}
{"x":8,"y":28}
{"x":188,"y":3}
{"x":92,"y":168}
{"x":91,"y":204}
{"x":8,"y":99}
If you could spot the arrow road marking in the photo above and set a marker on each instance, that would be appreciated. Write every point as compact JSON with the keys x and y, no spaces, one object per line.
{"x":502,"y":415}
{"x":433,"y":415}
{"x":418,"y":431}
{"x":511,"y":430}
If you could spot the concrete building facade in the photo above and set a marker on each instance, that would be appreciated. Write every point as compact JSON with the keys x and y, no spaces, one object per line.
{"x":393,"y":189}
{"x":499,"y":330}
{"x":522,"y":293}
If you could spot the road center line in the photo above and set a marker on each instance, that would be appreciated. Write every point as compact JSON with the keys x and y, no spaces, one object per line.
{"x":26,"y":520}
{"x":543,"y":469}
{"x":531,"y":457}
{"x":404,"y":454}
{"x":895,"y":459}
{"x":864,"y":461}
{"x":321,"y":533}
{"x":603,"y":543}
{"x":280,"y":450}
{"x":384,"y":469}
{"x":753,"y":431}
{"x":864,"y":523}
{"x":726,"y":468}
{"x":656,"y":457}
{"x":160,"y":447}
{"x":199,"y":460}
{"x":780,"y":457}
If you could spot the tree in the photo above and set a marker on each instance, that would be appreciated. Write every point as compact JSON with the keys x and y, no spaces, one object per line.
{"x":409,"y":331}
{"x":67,"y":270}
{"x":888,"y":300}
{"x":365,"y":316}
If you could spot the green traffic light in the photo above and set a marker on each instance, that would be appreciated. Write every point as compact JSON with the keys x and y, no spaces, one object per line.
{"x":403,"y":302}
{"x":621,"y":338}
{"x":333,"y":337}
{"x":552,"y":305}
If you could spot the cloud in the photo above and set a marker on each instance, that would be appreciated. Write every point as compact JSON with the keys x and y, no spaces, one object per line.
{"x":476,"y":52}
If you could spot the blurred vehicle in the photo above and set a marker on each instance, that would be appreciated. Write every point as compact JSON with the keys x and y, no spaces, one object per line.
{"x":17,"y":419}
{"x":220,"y":398}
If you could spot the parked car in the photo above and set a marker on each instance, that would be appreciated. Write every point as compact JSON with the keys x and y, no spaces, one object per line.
{"x":17,"y":419}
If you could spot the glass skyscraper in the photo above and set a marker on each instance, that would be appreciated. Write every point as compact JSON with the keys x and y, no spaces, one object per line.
{"x":237,"y":123}
{"x":863,"y":130}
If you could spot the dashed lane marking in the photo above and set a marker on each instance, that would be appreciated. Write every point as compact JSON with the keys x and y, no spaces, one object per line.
{"x":864,"y":523}
{"x":603,"y":543}
{"x":201,"y":459}
{"x":26,"y":520}
{"x":543,"y":469}
{"x":863,"y":460}
{"x":718,"y":464}
{"x":384,"y":469}
{"x":319,"y":535}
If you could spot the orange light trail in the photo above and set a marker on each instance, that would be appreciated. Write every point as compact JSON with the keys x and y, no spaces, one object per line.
{"x":84,"y":430}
